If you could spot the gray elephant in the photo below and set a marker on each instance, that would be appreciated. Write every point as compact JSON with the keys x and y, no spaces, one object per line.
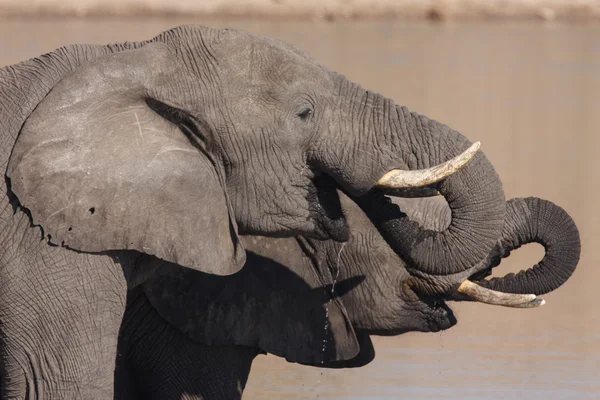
{"x":120,"y":158}
{"x":191,"y":335}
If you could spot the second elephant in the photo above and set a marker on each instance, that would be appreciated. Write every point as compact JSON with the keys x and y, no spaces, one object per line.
{"x":192,"y":335}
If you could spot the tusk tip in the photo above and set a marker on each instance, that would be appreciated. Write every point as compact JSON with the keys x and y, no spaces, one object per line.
{"x":539,"y":302}
{"x":536,"y":302}
{"x":474,"y":148}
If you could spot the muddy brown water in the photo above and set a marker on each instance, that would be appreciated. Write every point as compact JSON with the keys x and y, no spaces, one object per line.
{"x":530,"y":93}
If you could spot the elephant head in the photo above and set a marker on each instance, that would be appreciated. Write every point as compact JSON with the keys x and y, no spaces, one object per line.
{"x":175,"y":146}
{"x":316,"y":302}
{"x":527,"y":220}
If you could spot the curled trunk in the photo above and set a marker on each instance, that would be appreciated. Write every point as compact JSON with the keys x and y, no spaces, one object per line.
{"x":474,"y":195}
{"x":533,"y":220}
{"x":371,"y":137}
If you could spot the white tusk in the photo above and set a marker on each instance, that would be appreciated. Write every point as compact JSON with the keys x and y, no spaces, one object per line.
{"x":489,"y":296}
{"x":401,"y":179}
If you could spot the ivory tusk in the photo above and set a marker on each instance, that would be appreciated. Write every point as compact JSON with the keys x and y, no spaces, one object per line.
{"x":489,"y":296}
{"x":401,"y":179}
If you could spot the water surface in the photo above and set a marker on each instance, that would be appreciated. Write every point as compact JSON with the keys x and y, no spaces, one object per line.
{"x":531,"y":94}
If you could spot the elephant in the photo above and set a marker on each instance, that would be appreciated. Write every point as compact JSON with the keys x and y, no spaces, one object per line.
{"x":121,"y":160}
{"x":189,"y":335}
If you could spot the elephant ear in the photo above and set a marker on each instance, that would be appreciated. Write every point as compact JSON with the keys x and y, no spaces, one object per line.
{"x":265,"y":305}
{"x":99,"y":169}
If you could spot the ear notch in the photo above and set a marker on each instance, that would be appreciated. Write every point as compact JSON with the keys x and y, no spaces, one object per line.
{"x":100,"y":170}
{"x":265,"y":305}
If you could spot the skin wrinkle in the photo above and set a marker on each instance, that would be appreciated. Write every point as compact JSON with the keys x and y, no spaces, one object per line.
{"x":378,"y":293}
{"x":47,"y":295}
{"x":355,"y":118}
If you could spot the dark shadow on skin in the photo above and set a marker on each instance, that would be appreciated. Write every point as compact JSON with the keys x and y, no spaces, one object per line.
{"x":157,"y":361}
{"x":265,"y":307}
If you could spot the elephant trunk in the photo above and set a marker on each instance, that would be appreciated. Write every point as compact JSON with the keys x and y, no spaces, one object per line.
{"x":474,"y":194}
{"x":533,"y":220}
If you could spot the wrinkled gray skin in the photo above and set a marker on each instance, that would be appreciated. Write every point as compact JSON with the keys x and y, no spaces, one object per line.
{"x":276,"y":303}
{"x":122,"y":158}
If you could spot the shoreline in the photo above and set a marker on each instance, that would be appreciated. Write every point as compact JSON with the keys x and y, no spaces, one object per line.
{"x":330,"y":10}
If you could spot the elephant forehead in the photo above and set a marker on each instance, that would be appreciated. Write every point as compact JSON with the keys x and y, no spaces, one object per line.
{"x":259,"y":67}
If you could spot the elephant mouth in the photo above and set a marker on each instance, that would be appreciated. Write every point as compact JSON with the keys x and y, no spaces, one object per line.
{"x":439,"y":315}
{"x":326,"y":209}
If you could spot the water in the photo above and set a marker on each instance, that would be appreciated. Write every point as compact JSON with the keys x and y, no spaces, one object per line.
{"x":335,"y":278}
{"x":531,"y":94}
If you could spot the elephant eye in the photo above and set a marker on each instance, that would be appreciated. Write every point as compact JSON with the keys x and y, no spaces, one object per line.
{"x":306,"y":114}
